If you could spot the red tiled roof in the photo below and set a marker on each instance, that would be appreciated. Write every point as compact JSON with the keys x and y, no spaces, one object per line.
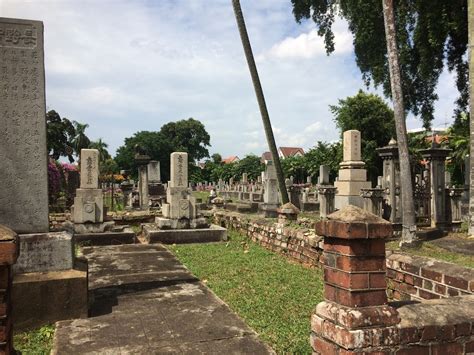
{"x":231,"y":159}
{"x":290,"y":151}
{"x":266,"y":156}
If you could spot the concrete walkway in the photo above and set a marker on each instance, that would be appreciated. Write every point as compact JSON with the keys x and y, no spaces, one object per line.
{"x":144,"y":301}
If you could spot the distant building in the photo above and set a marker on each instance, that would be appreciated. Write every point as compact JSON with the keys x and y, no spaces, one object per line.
{"x":286,"y":152}
{"x":283,"y":152}
{"x":230,"y":160}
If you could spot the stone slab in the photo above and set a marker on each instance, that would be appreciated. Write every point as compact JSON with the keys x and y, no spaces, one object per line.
{"x":23,"y":155}
{"x":89,"y":168}
{"x":106,"y":238}
{"x":46,"y":297}
{"x":352,"y":175}
{"x":343,"y":200}
{"x":146,"y":302}
{"x":154,"y":171}
{"x":180,"y":236}
{"x":351,"y":145}
{"x":88,"y":206}
{"x":45,"y":252}
{"x":351,"y":188}
{"x":179,"y":170}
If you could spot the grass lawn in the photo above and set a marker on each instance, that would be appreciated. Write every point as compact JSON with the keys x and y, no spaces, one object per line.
{"x":203,"y":195}
{"x":35,"y":342}
{"x":274,"y":297}
{"x":435,"y":252}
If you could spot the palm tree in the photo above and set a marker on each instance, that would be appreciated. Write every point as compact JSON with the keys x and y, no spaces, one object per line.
{"x":101,"y":146}
{"x":80,"y":140}
{"x":408,"y":205}
{"x":261,"y":99}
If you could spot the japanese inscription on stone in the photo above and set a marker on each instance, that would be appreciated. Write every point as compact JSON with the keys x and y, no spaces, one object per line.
{"x":351,"y":145}
{"x":179,"y":169}
{"x":23,"y":156}
{"x":89,"y":168}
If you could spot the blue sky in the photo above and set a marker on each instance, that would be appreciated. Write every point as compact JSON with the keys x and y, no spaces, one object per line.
{"x":124,"y":66}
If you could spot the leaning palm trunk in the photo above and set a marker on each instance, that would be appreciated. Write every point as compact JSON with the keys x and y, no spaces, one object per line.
{"x":261,"y":99}
{"x":408,"y":206}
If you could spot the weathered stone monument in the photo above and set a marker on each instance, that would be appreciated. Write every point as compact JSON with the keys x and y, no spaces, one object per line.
{"x":352,"y":175}
{"x":180,"y":222}
{"x":270,"y":192}
{"x":156,"y":190}
{"x":23,"y":156}
{"x":46,"y":259}
{"x":89,"y":202}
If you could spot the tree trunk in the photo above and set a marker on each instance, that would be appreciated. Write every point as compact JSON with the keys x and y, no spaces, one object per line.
{"x":408,"y":206}
{"x":261,"y":99}
{"x":470,"y":12}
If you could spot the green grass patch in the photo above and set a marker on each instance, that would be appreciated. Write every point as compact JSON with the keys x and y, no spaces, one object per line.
{"x":274,"y":296}
{"x":435,"y":252}
{"x":203,"y":195}
{"x":35,"y":342}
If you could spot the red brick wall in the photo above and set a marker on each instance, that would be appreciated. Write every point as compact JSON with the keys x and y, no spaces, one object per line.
{"x":417,"y":278}
{"x":298,"y":243}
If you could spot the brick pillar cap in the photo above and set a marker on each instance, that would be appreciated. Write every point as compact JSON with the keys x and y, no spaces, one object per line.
{"x":352,"y":222}
{"x":6,"y":234}
{"x":288,"y":208}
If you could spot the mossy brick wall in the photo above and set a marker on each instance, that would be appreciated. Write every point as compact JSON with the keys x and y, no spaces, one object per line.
{"x":417,"y":278}
{"x":298,"y":243}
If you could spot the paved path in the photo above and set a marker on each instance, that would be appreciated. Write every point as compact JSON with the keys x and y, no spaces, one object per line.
{"x":144,"y":301}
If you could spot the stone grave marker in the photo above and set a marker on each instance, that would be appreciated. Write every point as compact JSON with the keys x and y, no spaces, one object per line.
{"x":23,"y":155}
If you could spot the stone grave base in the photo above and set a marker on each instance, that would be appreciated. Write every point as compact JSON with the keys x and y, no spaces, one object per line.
{"x":44,"y":252}
{"x":344,"y":200}
{"x":86,"y":228}
{"x":46,"y":297}
{"x":153,"y":234}
{"x":310,"y":206}
{"x":269,"y":211}
{"x":106,"y":238}
{"x":184,"y":223}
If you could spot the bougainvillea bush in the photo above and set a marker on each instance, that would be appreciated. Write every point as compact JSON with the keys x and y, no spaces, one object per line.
{"x":54,"y":180}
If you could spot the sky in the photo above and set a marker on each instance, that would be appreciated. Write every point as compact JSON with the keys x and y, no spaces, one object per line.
{"x":124,"y":66}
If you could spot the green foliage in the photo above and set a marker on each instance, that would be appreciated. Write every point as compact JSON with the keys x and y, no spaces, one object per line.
{"x":458,"y":138}
{"x":273,"y":296}
{"x":59,"y":134}
{"x":294,"y":166}
{"x":323,"y":153}
{"x":80,"y":139}
{"x":251,"y":165}
{"x":101,"y":146}
{"x":370,"y":115}
{"x":35,"y":342}
{"x":215,"y":169}
{"x":182,"y":136}
{"x":429,"y":33}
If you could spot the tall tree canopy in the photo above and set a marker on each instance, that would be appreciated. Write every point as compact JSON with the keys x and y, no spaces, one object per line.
{"x":60,"y":132}
{"x":429,"y":33}
{"x":182,"y":136}
{"x":370,"y":115}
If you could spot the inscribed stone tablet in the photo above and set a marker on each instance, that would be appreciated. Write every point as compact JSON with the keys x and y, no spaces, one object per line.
{"x":89,"y":168}
{"x":179,"y":169}
{"x":23,"y":156}
{"x":154,"y":173}
{"x":351,"y":145}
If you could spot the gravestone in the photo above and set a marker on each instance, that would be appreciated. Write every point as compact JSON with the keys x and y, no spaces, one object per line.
{"x":154,"y":172}
{"x":88,"y":203}
{"x":23,"y":155}
{"x":270,"y":192}
{"x":156,"y":190}
{"x":323,"y":175}
{"x":352,"y":175}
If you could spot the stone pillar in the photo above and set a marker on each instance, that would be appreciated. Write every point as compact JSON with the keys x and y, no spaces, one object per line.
{"x":391,"y":182}
{"x":270,"y":192}
{"x":127,"y":188}
{"x":373,"y":200}
{"x":142,"y":161}
{"x":453,"y":210}
{"x":354,"y":285}
{"x":89,"y":202}
{"x":287,"y":212}
{"x":323,"y":175}
{"x":23,"y":154}
{"x":465,"y":196}
{"x":326,"y":196}
{"x":437,"y":160}
{"x":8,"y":256}
{"x":352,"y":176}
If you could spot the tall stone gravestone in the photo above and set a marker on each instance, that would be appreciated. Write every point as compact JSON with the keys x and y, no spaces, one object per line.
{"x":88,"y":203}
{"x":156,"y":190}
{"x":270,"y":192}
{"x":179,"y":211}
{"x":23,"y":155}
{"x":352,"y":175}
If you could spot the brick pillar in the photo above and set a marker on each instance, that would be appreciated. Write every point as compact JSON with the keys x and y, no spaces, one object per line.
{"x":8,"y":256}
{"x":355,"y":316}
